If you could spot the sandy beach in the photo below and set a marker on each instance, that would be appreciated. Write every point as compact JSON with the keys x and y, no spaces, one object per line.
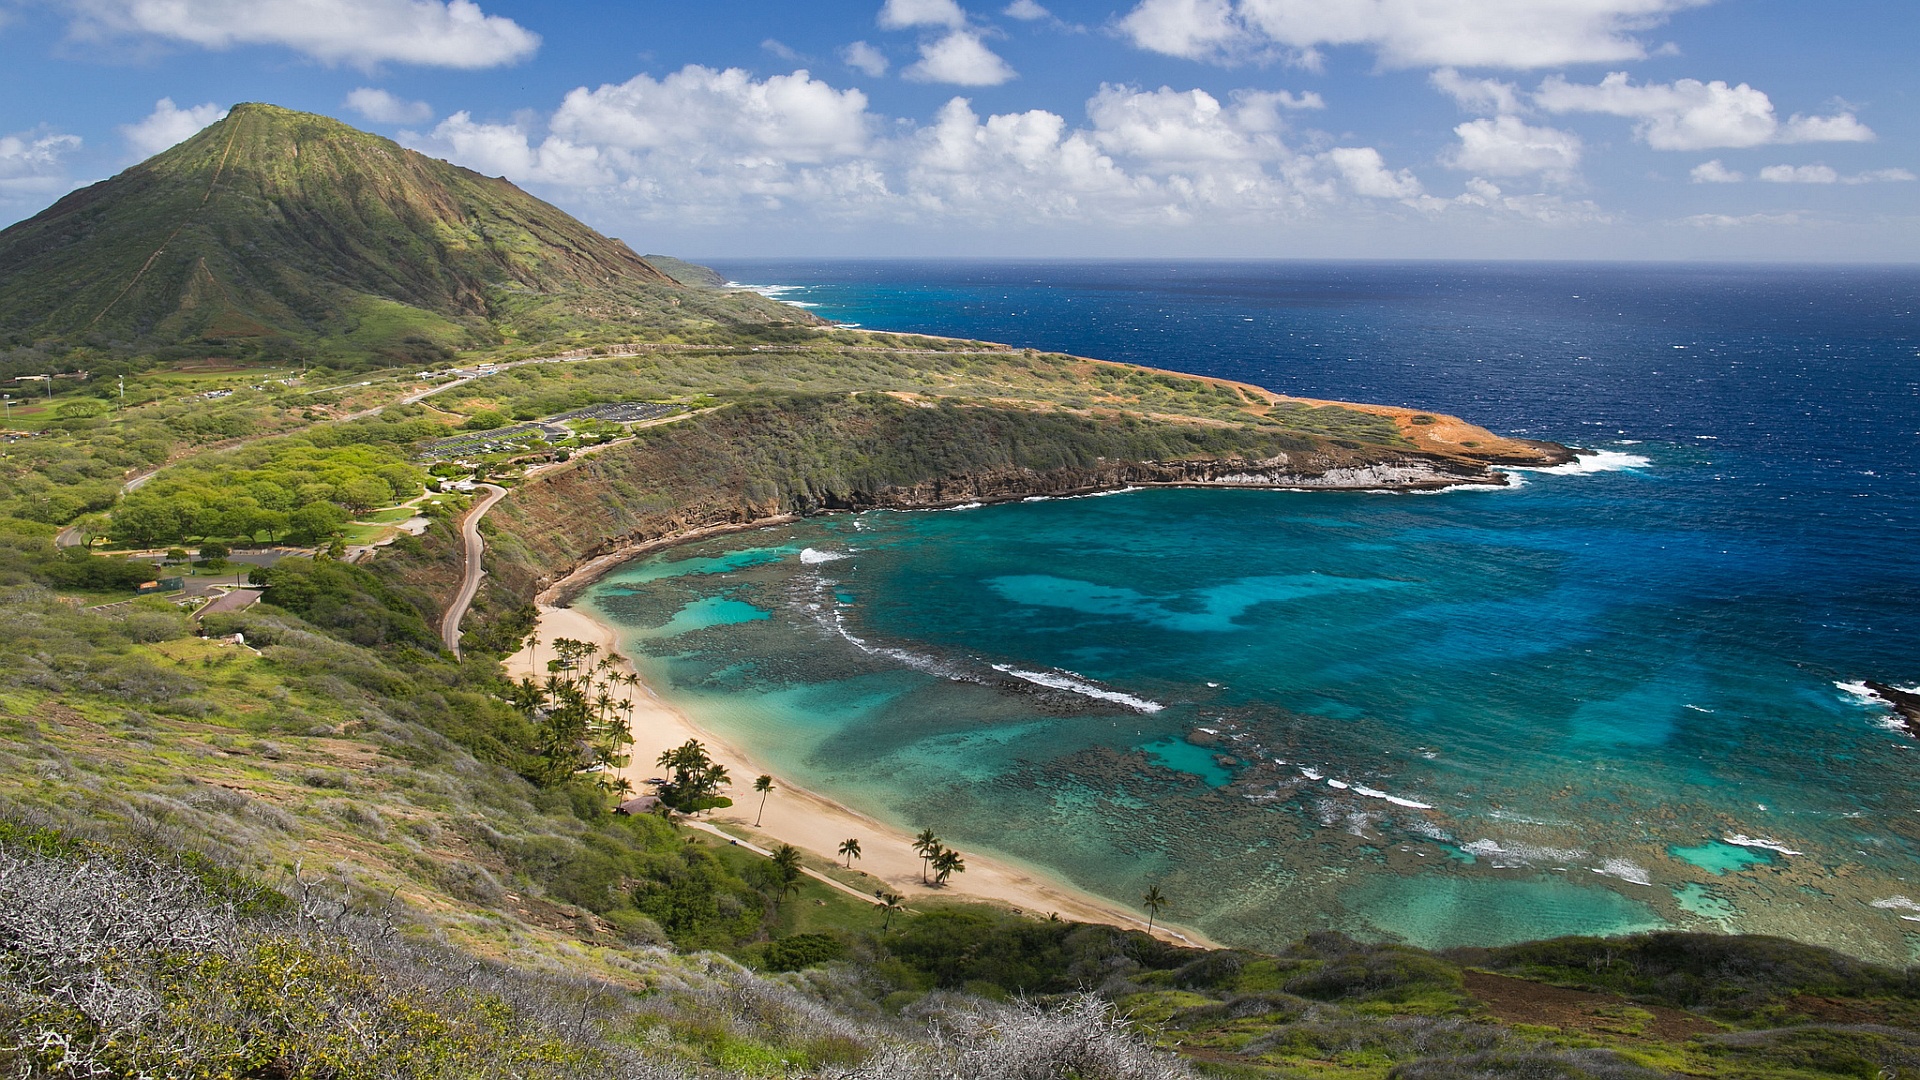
{"x":817,"y":824}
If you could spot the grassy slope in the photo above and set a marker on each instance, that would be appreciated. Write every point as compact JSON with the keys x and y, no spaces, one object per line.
{"x":274,"y":228}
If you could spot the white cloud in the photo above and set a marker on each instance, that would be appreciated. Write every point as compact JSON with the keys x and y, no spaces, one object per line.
{"x":901,"y":14}
{"x":1405,"y":33}
{"x":699,"y":110}
{"x":782,"y":50}
{"x":1841,"y":128}
{"x":725,"y":149}
{"x":1799,"y":174}
{"x":168,"y":125}
{"x":507,"y":150}
{"x":1713,"y":172}
{"x":33,"y":170}
{"x":1507,"y":146}
{"x":33,"y":160}
{"x":1539,"y":208}
{"x":1366,"y":172}
{"x":382,"y":107}
{"x":1480,"y":95}
{"x":1165,"y":125}
{"x":1691,"y":115}
{"x":865,"y":59}
{"x":1194,"y":29}
{"x":1026,"y":11}
{"x":1730,"y":221}
{"x":959,"y":58}
{"x":453,"y":33}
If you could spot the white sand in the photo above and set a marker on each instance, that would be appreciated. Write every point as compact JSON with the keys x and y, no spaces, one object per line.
{"x":818,"y":824}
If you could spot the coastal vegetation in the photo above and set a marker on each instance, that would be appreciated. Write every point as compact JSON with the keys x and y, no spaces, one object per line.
{"x":303,"y":840}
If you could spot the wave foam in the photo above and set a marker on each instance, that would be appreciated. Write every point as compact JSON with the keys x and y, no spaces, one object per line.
{"x":1057,"y":681}
{"x":1087,"y":495}
{"x":1896,"y":903}
{"x":1624,"y":870}
{"x":1589,"y":462}
{"x":1512,"y":855}
{"x":814,"y":556}
{"x":1375,"y":793}
{"x":1760,"y":843}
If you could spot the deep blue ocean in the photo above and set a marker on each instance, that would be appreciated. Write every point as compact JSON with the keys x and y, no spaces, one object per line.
{"x":1612,"y":696}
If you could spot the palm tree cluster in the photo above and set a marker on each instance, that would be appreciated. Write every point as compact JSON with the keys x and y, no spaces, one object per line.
{"x":693,"y":780}
{"x":580,"y":726}
{"x":937,"y":857}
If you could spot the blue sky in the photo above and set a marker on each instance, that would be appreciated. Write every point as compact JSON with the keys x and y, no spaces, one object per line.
{"x":1661,"y":129}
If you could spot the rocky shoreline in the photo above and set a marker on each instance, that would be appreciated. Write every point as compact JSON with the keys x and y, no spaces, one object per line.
{"x":1405,"y":473}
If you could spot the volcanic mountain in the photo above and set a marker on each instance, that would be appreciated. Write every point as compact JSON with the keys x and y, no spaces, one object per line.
{"x":280,"y":231}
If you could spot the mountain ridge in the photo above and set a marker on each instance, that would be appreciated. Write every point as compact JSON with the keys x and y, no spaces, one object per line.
{"x":273,"y":232}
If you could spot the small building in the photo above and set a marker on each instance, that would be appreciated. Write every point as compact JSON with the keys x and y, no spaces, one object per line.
{"x":640,"y":804}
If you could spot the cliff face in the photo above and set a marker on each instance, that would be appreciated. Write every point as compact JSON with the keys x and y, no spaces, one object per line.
{"x":808,"y":455}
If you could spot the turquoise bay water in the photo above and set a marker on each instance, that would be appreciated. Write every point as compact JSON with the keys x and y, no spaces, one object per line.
{"x":1606,"y":699}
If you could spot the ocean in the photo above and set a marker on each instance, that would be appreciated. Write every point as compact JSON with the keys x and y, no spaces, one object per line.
{"x":1618,"y":695}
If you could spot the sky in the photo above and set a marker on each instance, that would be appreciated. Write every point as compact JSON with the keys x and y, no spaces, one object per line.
{"x":1739,"y":130}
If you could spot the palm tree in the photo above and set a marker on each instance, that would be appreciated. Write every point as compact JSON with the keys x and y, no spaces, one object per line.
{"x":926,"y":844}
{"x":1154,"y":901}
{"x":890,"y":902}
{"x":851,"y":849}
{"x":786,"y":860}
{"x":946,"y":864}
{"x":763,"y":786}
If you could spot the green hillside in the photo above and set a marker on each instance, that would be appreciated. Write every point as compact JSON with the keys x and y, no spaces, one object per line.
{"x":279,"y":233}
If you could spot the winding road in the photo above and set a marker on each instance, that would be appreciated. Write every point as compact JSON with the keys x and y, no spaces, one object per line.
{"x":470,"y":576}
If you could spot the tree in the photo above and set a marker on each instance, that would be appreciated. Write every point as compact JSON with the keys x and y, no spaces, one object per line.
{"x":1153,"y":901}
{"x":763,"y":785}
{"x":786,"y":861}
{"x":926,"y":844}
{"x":850,"y":847}
{"x":695,"y":781}
{"x":364,"y":493}
{"x":890,"y":902}
{"x":315,"y":522}
{"x":946,"y":863}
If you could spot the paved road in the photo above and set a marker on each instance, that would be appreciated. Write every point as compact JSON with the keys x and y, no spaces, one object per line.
{"x":809,"y":871}
{"x":470,"y":578}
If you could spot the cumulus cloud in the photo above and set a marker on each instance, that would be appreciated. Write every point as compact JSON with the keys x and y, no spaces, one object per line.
{"x":901,"y":14}
{"x":1692,"y":115}
{"x":782,"y":50}
{"x":1799,"y":174}
{"x":1026,"y":11}
{"x":960,"y":59}
{"x":168,"y":125}
{"x":706,"y":146}
{"x":1483,"y":95}
{"x":1713,"y":172}
{"x":865,"y":59}
{"x":1508,"y":146}
{"x":33,"y":169}
{"x":704,"y":111}
{"x":1537,"y":207}
{"x":453,"y":33}
{"x":1366,"y":172}
{"x":1165,"y":125}
{"x":382,"y":107}
{"x":29,"y":159}
{"x":1404,"y":33}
